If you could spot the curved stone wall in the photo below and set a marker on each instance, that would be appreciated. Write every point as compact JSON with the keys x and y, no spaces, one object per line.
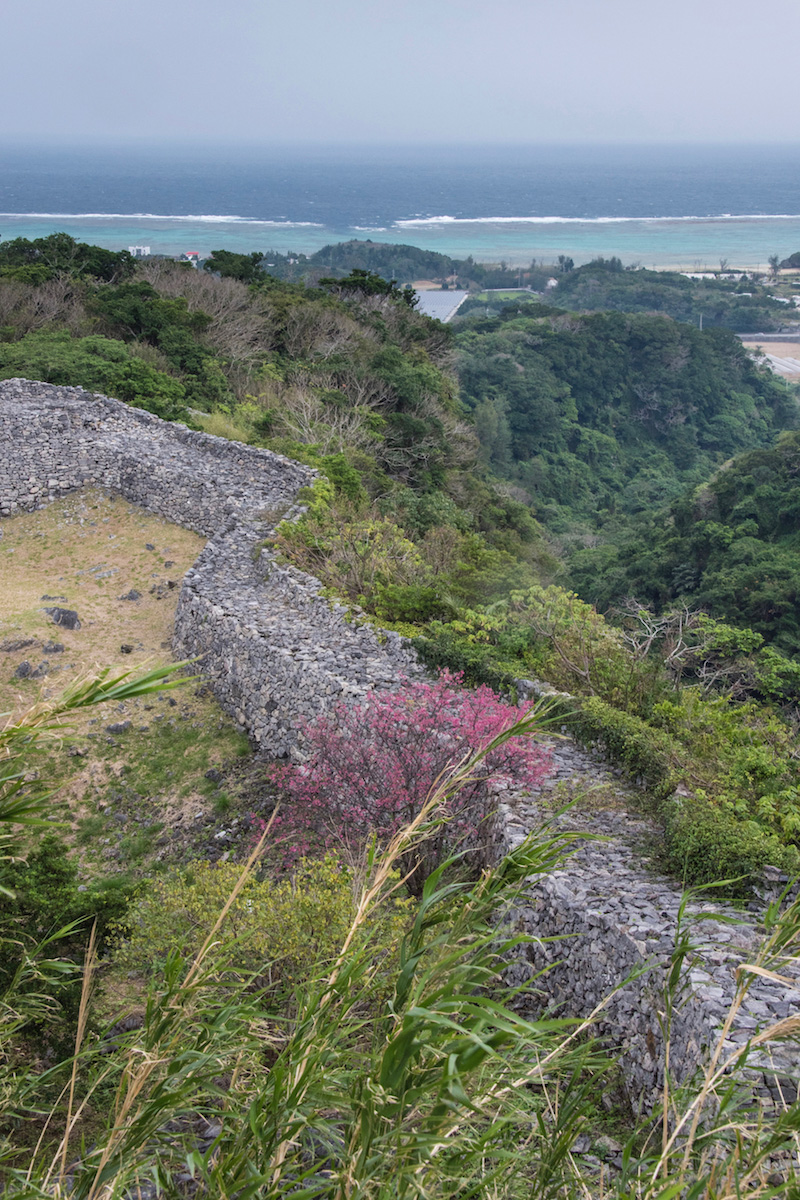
{"x":54,"y":439}
{"x":276,"y":652}
{"x":606,"y":915}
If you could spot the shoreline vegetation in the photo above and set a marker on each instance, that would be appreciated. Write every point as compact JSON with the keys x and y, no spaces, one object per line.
{"x":583,"y":486}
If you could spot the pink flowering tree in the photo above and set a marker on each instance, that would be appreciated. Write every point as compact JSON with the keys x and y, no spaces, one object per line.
{"x":371,"y":766}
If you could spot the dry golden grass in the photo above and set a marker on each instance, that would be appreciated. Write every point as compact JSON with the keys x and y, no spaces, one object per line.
{"x":779,"y":349}
{"x":87,"y":549}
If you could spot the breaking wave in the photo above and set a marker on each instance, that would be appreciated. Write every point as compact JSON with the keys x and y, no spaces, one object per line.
{"x":138,"y":216}
{"x":446,"y":220}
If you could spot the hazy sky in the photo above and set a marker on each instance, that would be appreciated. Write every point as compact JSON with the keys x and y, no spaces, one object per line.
{"x":410,"y":71}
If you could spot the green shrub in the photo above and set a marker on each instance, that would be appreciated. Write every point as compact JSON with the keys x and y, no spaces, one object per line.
{"x":98,"y":364}
{"x":727,"y":831}
{"x":281,"y":930}
{"x":705,"y":844}
{"x":647,"y":754}
{"x":411,"y":602}
{"x":442,"y":649}
{"x":344,"y":477}
{"x":352,"y":552}
{"x":46,"y":896}
{"x":223,"y":424}
{"x":578,"y":650}
{"x":43,"y":900}
{"x":420,"y":511}
{"x":742,"y":756}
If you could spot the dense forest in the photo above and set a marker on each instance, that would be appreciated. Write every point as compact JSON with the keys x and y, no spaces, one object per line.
{"x":729,"y":546}
{"x":470,"y":477}
{"x":733,"y":303}
{"x":610,"y":413}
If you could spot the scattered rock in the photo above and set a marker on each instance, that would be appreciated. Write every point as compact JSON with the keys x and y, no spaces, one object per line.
{"x":64,"y":616}
{"x":131,"y":595}
{"x":214,"y":775}
{"x":53,"y":648}
{"x":118,"y":727}
{"x":46,"y":597}
{"x":126,"y":648}
{"x":168,"y":563}
{"x":149,"y":546}
{"x":608,"y":1145}
{"x":10,"y":646}
{"x":24,"y":670}
{"x":593,"y":1163}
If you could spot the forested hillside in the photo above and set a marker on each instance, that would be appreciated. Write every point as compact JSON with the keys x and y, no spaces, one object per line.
{"x":740,"y":304}
{"x":441,"y":453}
{"x":731,"y":546}
{"x":605,"y":415}
{"x":347,"y":377}
{"x":406,"y":264}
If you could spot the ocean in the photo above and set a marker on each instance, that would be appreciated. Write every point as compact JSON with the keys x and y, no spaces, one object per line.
{"x":655,"y":206}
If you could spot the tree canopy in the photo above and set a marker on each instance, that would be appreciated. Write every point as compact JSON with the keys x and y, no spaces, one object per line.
{"x":729,"y":546}
{"x":604,"y":284}
{"x":370,"y":284}
{"x":611,"y":413}
{"x":46,"y":257}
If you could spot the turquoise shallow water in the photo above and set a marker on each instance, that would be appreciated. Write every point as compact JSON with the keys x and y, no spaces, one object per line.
{"x":657,"y":206}
{"x":698,"y":243}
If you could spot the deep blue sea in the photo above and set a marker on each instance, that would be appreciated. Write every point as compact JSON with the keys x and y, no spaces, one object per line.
{"x":658,"y":206}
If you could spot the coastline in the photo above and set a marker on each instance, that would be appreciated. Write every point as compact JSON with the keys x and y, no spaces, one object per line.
{"x":665,"y":244}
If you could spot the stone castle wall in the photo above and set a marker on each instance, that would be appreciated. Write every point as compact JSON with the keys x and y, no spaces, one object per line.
{"x":605,"y":915}
{"x":56,"y":439}
{"x":276,"y":653}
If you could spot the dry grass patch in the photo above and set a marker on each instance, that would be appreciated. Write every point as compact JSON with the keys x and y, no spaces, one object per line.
{"x":84,"y":552}
{"x":130,"y":779}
